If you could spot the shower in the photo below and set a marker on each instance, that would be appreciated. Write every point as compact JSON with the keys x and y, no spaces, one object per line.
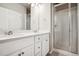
{"x":65,"y":27}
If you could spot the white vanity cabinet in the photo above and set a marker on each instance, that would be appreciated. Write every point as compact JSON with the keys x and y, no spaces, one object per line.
{"x":41,"y":44}
{"x":35,"y":45}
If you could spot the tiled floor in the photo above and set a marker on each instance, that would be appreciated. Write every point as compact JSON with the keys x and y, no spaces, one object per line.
{"x":55,"y":54}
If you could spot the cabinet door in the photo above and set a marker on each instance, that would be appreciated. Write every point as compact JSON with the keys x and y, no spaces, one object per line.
{"x":45,"y":44}
{"x":28,"y":51}
{"x":37,"y":48}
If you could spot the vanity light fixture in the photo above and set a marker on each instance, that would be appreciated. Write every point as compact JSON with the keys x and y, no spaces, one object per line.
{"x":35,"y":4}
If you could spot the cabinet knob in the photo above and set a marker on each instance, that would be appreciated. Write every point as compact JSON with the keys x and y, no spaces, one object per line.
{"x":22,"y":52}
{"x":19,"y":54}
{"x":38,"y":47}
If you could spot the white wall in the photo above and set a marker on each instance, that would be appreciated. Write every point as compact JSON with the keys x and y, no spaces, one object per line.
{"x":34,"y":17}
{"x":45,"y":17}
{"x":12,"y":16}
{"x":51,"y":28}
{"x":40,"y":17}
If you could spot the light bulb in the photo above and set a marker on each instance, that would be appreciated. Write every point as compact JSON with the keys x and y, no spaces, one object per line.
{"x":35,"y":4}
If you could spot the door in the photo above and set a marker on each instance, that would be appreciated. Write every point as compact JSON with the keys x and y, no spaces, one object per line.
{"x":65,"y":27}
{"x":61,"y":28}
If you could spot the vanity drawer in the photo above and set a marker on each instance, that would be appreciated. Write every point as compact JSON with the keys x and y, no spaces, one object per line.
{"x":37,"y":47}
{"x":37,"y":39}
{"x":14,"y":45}
{"x":28,"y":51}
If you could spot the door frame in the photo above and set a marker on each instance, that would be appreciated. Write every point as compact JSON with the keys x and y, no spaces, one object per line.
{"x":69,"y":5}
{"x":78,"y":27}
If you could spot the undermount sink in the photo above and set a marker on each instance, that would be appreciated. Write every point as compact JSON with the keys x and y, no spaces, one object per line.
{"x":17,"y":33}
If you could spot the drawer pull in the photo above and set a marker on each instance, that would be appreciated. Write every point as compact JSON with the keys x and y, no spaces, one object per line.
{"x":22,"y":52}
{"x":19,"y":54}
{"x":39,"y":47}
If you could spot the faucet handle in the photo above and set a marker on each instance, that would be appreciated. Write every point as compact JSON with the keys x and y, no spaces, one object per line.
{"x":10,"y":33}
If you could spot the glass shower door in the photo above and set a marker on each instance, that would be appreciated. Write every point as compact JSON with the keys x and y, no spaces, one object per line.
{"x":65,"y":27}
{"x":61,"y":27}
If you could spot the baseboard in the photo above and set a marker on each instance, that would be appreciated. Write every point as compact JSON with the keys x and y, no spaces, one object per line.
{"x":65,"y":53}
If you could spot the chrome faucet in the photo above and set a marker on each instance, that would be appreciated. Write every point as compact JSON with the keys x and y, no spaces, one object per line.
{"x":10,"y":32}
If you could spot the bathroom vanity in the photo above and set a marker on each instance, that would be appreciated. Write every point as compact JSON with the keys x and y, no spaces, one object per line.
{"x":25,"y":44}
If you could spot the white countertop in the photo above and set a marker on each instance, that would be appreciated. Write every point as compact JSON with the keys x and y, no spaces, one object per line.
{"x":22,"y":34}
